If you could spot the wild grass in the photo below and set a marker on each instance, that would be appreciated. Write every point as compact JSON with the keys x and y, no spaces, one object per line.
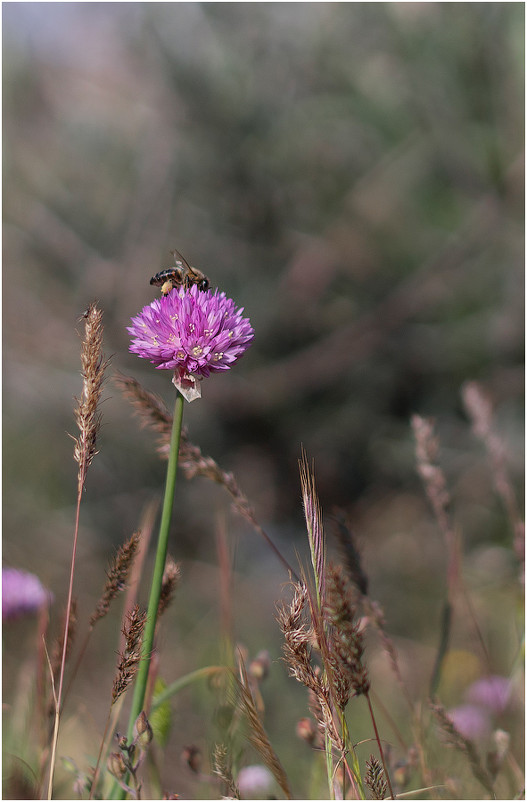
{"x":88,"y":419}
{"x":330,"y":627}
{"x":354,"y":173}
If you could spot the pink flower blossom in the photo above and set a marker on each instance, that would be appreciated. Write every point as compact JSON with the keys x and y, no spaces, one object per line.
{"x":492,"y":693}
{"x":471,"y":721}
{"x":255,"y":782}
{"x":22,"y":593}
{"x":191,"y":332}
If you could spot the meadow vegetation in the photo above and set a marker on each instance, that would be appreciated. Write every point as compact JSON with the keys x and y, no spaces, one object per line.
{"x":339,"y":611}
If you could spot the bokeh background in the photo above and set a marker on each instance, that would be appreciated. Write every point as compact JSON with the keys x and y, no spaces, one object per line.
{"x":351,"y":174}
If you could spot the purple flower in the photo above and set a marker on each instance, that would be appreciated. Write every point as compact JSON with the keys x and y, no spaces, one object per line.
{"x":491,"y":692}
{"x":193,"y":333}
{"x":255,"y":782}
{"x":471,"y":721}
{"x":22,"y":593}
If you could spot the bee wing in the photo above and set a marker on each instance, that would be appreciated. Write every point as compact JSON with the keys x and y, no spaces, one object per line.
{"x":180,"y":259}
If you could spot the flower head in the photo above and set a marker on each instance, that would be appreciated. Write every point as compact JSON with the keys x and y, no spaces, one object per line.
{"x":193,"y":333}
{"x":22,"y":593}
{"x":471,"y":721}
{"x":492,"y":693}
{"x":255,"y":782}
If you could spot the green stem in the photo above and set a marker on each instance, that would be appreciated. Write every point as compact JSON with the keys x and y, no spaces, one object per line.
{"x":159,"y":567}
{"x":157,"y":579}
{"x":183,"y":682}
{"x":328,"y":751}
{"x":355,"y":767}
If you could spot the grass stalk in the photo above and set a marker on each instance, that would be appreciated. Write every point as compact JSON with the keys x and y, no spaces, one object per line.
{"x":89,"y":421}
{"x":64,"y":648}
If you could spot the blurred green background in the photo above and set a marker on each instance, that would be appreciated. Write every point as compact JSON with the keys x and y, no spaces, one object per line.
{"x":351,"y":174}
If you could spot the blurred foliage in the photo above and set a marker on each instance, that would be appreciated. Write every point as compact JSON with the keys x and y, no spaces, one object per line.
{"x":350,"y":173}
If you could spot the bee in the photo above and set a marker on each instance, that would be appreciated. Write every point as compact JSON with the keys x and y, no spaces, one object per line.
{"x":180,"y":275}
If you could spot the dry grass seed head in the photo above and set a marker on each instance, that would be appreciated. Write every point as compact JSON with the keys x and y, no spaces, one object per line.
{"x":116,"y":575}
{"x":427,"y":453}
{"x":223,"y":768}
{"x":479,"y":409}
{"x":321,"y":708}
{"x":86,"y":413}
{"x":148,"y":406}
{"x":257,"y":734}
{"x":129,"y":659}
{"x":297,"y":653}
{"x":298,"y":638}
{"x":315,"y":529}
{"x":171,"y":577}
{"x":346,"y":641}
{"x":375,"y":779}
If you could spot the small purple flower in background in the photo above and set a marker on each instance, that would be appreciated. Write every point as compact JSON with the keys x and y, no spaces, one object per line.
{"x":193,"y":333}
{"x":255,"y":782}
{"x":22,"y":593}
{"x":471,"y":721}
{"x":492,"y":693}
{"x":485,"y":699}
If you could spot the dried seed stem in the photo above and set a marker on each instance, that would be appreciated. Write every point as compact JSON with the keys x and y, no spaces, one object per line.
{"x":479,"y":409}
{"x":87,"y":412}
{"x":116,"y":577}
{"x":88,"y":420}
{"x":171,"y":577}
{"x":130,"y":658}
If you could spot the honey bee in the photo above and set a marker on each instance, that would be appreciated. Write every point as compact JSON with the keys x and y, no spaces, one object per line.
{"x":180,"y":275}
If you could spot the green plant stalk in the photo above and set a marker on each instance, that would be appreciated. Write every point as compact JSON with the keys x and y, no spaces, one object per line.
{"x":355,"y":767}
{"x":159,"y":567}
{"x":183,"y":682}
{"x":328,"y":752}
{"x":157,"y":578}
